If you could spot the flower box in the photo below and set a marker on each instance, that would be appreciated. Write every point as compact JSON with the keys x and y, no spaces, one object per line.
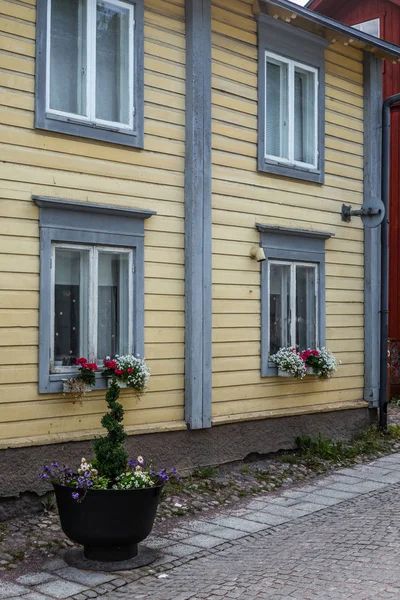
{"x":121,"y":384}
{"x":83,"y":388}
{"x":310,"y":371}
{"x":284,"y":373}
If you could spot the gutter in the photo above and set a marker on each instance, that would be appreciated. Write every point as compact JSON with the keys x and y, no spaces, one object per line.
{"x":384,"y":333}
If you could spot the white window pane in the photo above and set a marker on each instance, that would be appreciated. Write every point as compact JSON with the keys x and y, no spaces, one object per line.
{"x":371,"y":27}
{"x":68,"y":61}
{"x":306,"y":307}
{"x":304,"y":116}
{"x":277,"y":124}
{"x":113,"y":305}
{"x":70,"y":305}
{"x":279,"y":307}
{"x":112,"y":62}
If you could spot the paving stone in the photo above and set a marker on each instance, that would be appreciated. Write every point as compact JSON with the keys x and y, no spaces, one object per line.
{"x":324,"y":500}
{"x":265,"y":517}
{"x":35,"y":578}
{"x":89,"y":578}
{"x":33,"y":596}
{"x":60,"y":588}
{"x":359,"y":488}
{"x":309,"y":507}
{"x":333,"y":493}
{"x":288,"y":512}
{"x":182,"y":549}
{"x":7,"y":590}
{"x":227,"y":533}
{"x":54,"y":564}
{"x":241,"y":524}
{"x":204,"y":541}
{"x":199,"y":526}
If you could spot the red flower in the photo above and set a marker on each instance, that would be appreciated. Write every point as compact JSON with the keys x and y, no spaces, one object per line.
{"x":81,"y":361}
{"x":90,"y":366}
{"x":129,"y":370}
{"x":118,"y":372}
{"x":110,"y":364}
{"x":315,"y":352}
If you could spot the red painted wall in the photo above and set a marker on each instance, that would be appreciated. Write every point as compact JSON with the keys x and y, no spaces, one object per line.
{"x":356,"y":11}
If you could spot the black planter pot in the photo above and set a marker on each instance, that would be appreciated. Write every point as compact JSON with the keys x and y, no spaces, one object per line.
{"x":108,"y":523}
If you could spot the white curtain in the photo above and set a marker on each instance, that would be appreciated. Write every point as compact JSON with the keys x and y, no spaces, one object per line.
{"x":68,"y":61}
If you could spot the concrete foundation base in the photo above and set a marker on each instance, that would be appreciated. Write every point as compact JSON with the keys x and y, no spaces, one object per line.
{"x":21,"y":489}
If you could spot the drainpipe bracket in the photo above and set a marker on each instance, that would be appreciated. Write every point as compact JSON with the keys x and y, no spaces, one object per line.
{"x":371,"y":216}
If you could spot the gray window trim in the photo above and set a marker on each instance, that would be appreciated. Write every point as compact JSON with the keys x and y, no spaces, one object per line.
{"x":60,"y":124}
{"x":298,"y":245}
{"x":296,"y":44}
{"x":92,"y":224}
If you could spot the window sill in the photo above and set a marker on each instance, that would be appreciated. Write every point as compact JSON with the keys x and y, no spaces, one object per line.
{"x":56,"y":382}
{"x":95,"y":131}
{"x":292,"y":171}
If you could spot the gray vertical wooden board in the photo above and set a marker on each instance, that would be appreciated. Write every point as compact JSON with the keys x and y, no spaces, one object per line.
{"x":372,"y":189}
{"x":198,"y":273}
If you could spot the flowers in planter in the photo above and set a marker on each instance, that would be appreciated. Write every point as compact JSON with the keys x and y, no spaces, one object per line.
{"x":85,"y":379}
{"x":321,"y":360}
{"x":289,"y":361}
{"x":128,"y":371}
{"x":111,"y":468}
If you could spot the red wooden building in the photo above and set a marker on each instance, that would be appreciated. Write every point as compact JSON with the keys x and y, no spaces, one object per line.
{"x":381,"y":18}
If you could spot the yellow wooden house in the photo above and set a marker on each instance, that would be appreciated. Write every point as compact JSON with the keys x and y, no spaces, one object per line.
{"x":149,"y":150}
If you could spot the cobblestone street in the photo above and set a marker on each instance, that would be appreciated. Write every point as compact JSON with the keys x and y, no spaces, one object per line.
{"x":334,"y":539}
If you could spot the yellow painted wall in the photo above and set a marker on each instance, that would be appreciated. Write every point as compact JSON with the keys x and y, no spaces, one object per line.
{"x":35,"y":162}
{"x":242,"y":197}
{"x":41,"y":163}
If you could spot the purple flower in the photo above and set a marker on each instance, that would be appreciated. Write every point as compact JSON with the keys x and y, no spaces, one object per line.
{"x":75,"y":495}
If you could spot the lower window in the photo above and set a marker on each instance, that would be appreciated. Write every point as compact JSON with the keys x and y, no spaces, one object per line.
{"x":91,"y":286}
{"x":92,"y":304}
{"x":293,"y":305}
{"x":292,"y":291}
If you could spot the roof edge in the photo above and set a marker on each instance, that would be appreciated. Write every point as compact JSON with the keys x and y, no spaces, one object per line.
{"x":333,"y":25}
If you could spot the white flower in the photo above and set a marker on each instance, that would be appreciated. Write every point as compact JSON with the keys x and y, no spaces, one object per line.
{"x":288,"y":360}
{"x":140,"y":459}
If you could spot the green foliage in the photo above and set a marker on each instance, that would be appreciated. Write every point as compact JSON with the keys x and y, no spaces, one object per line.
{"x":205,"y":472}
{"x":325,"y":449}
{"x":395,"y":400}
{"x":394,"y":432}
{"x":371,"y":441}
{"x":289,"y":459}
{"x":111,"y":456}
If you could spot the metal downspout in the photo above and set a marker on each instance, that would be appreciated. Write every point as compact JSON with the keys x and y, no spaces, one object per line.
{"x":383,"y":389}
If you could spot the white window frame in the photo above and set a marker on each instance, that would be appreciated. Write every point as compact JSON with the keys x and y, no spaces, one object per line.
{"x":92,"y":299}
{"x":359,"y":26}
{"x":292,"y":64}
{"x":293,"y":294}
{"x":90,"y":118}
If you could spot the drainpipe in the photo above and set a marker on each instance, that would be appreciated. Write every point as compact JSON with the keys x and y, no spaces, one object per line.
{"x":383,"y":389}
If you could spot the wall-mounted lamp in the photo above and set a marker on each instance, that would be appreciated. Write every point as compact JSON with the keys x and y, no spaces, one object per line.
{"x":257,"y":253}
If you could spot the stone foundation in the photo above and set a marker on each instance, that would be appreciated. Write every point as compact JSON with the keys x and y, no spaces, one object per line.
{"x":21,"y":489}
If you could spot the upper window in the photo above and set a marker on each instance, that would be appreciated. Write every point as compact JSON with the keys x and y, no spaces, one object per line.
{"x":291,"y":101}
{"x":92,"y":304}
{"x":291,"y":111}
{"x":89,"y":78}
{"x":372,"y":27}
{"x":91,"y":286}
